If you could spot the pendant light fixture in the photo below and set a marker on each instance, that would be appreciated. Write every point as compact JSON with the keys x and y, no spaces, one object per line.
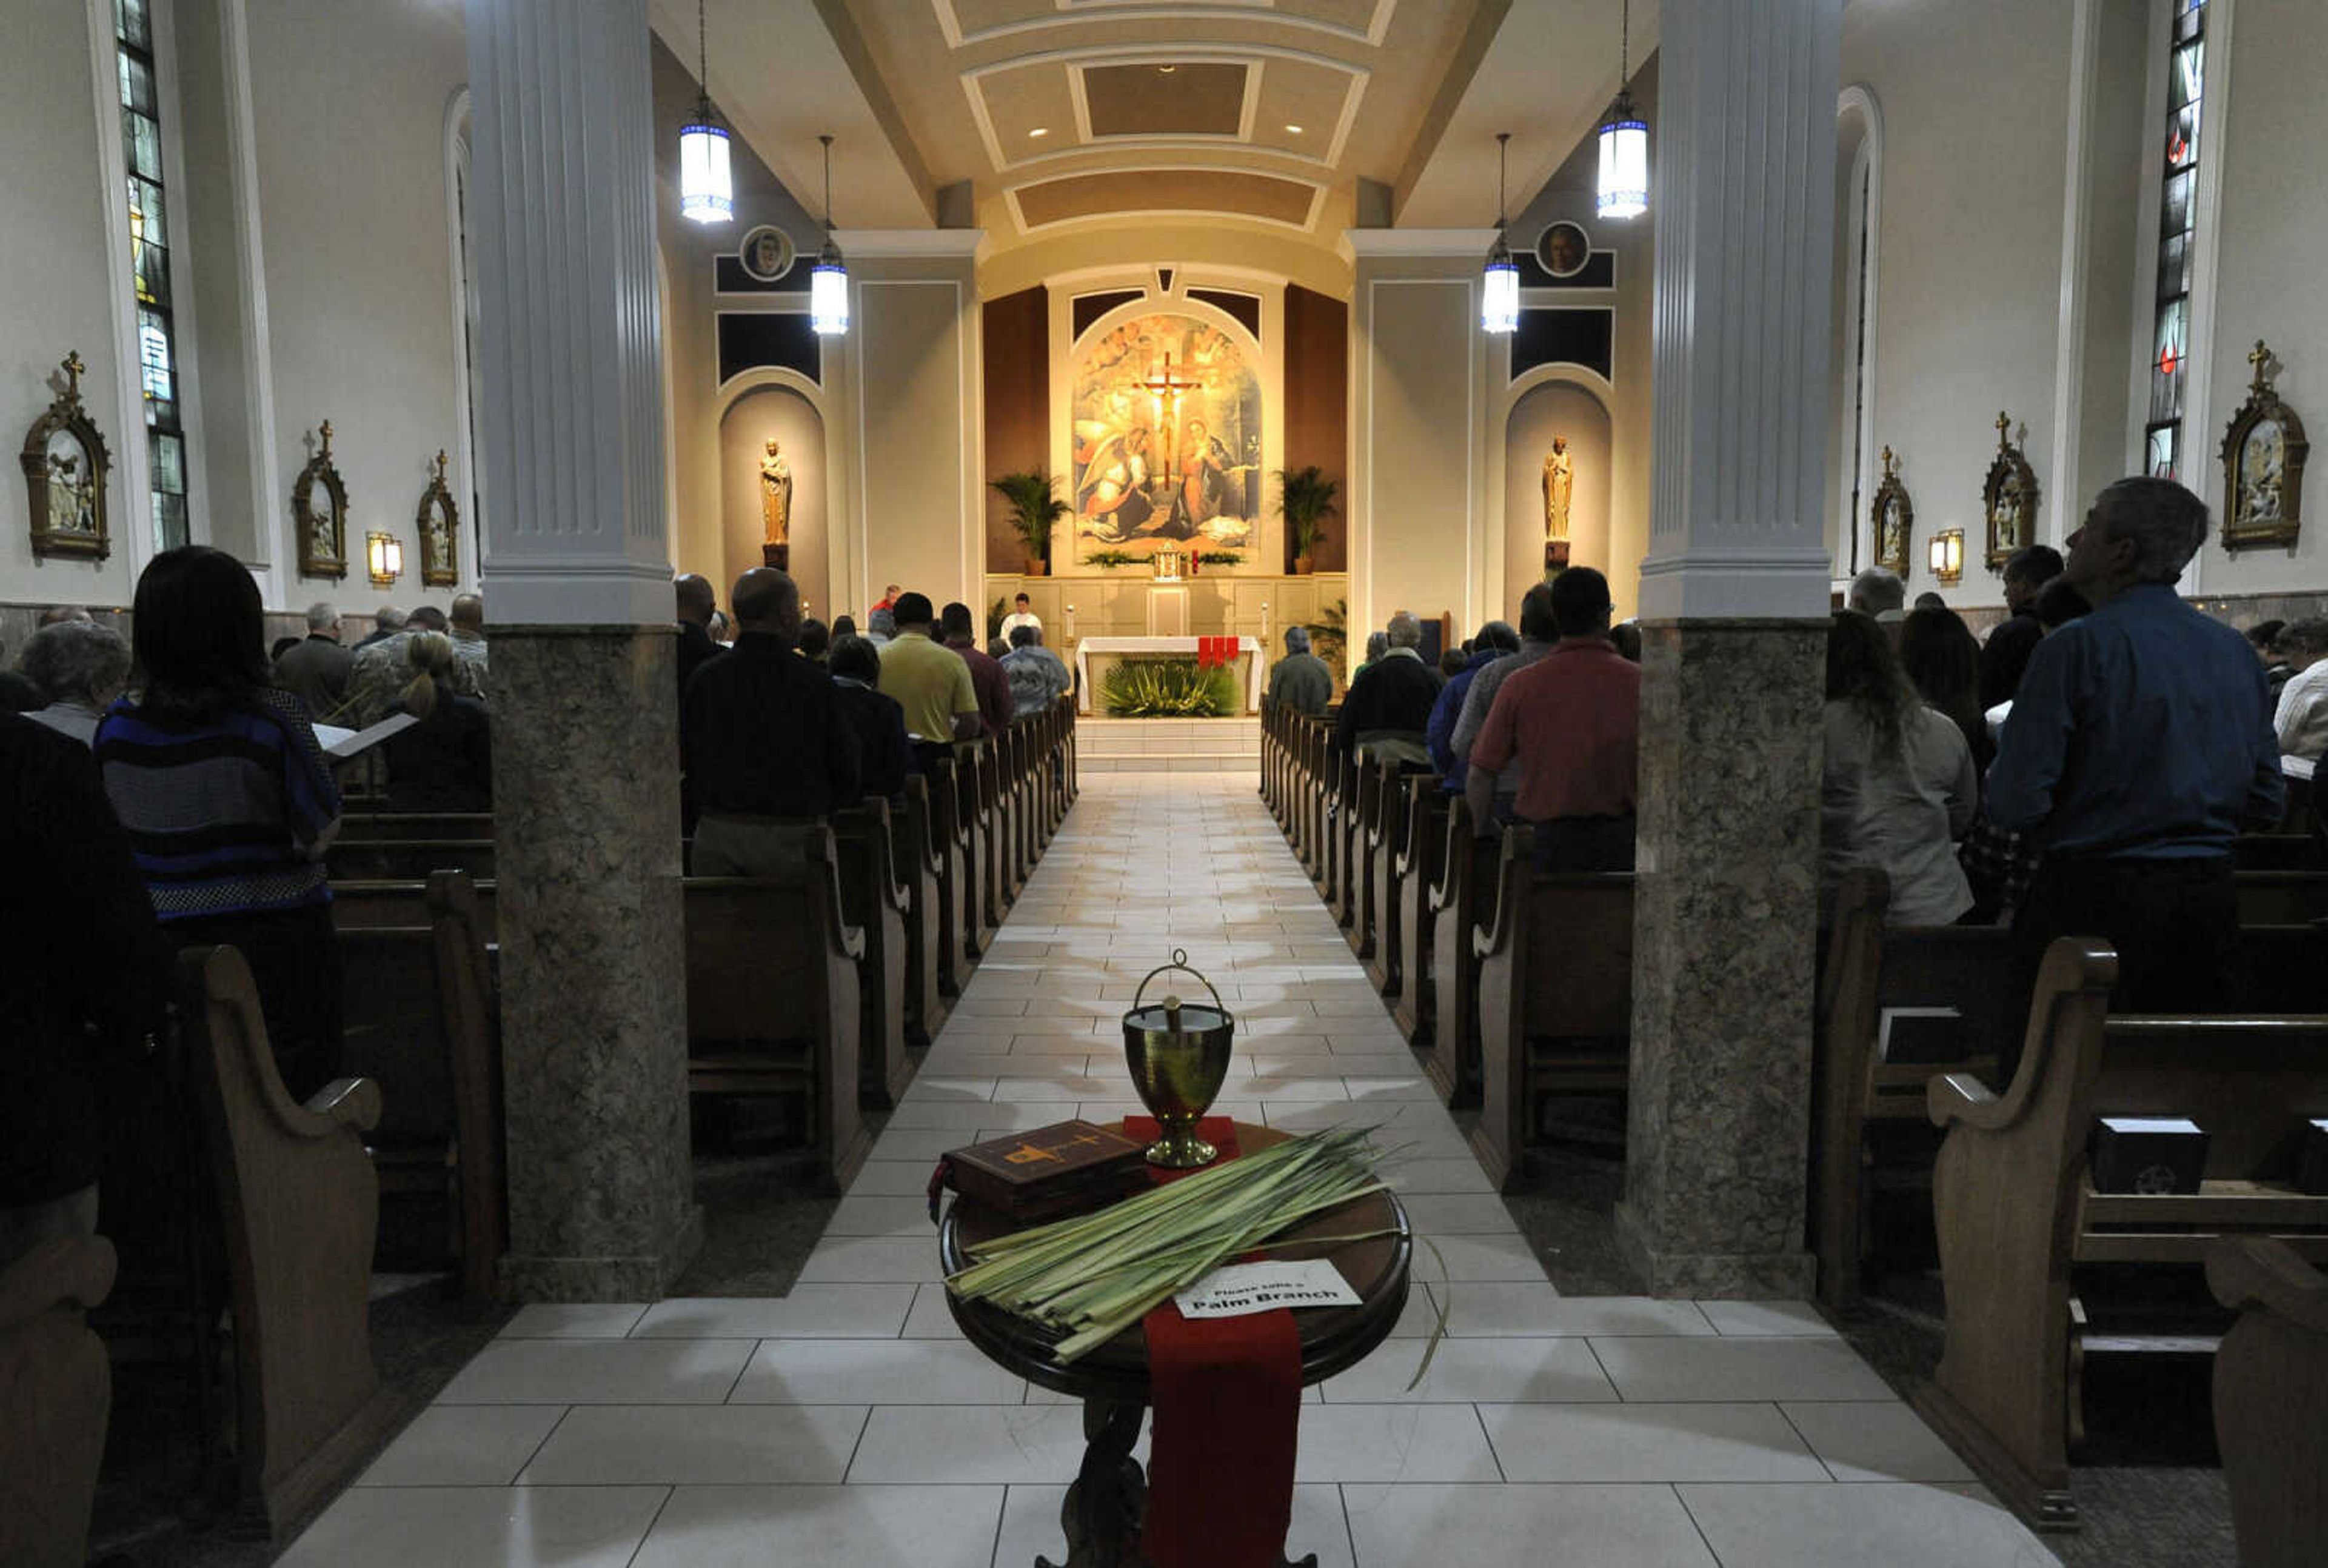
{"x":1499,"y":293}
{"x":1624,"y":139}
{"x":828,"y":293}
{"x":707,"y":193}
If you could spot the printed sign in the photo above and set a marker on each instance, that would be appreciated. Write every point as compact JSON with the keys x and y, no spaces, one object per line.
{"x":1246,"y":1288}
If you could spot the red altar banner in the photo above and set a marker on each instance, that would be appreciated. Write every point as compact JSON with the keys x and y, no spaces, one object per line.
{"x":1212,"y":651}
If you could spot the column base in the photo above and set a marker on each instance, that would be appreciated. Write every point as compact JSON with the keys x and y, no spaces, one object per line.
{"x":1769,"y":1276}
{"x":608,"y":1279}
{"x":779,"y":556}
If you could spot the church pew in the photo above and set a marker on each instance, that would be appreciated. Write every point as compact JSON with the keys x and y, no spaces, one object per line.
{"x":2282,"y":897}
{"x":874,"y":901}
{"x":957,"y":942}
{"x":771,"y":1007}
{"x":1421,"y":858}
{"x":297,"y":1202}
{"x":976,"y":831}
{"x":2280,"y":851}
{"x":1348,"y":836}
{"x":1555,"y":993}
{"x":1461,"y":900}
{"x":921,"y":861}
{"x":59,"y":1389}
{"x":2016,"y":1211}
{"x":1386,"y":846}
{"x":1067,"y":706}
{"x":365,"y":826}
{"x":1320,"y":811}
{"x":402,"y":859}
{"x":1357,"y":908}
{"x":2271,"y":1385}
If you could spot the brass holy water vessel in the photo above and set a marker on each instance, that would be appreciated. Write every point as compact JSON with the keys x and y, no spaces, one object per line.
{"x":1179,"y":1054}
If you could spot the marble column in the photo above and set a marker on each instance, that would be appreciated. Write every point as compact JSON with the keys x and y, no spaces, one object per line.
{"x":1733,"y":597}
{"x":576,"y":579}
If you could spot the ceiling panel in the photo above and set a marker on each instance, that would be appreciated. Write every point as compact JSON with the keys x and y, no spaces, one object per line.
{"x":1019,"y":101}
{"x":1166,"y":191}
{"x":1301,"y":93}
{"x":1164,"y":98}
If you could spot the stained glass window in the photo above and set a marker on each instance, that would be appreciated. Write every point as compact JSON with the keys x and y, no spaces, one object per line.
{"x":2170,"y":338}
{"x":149,"y":269}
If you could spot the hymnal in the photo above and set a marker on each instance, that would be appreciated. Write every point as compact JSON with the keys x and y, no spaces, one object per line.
{"x":2148,"y":1154}
{"x":1919,"y":1034}
{"x":1044,"y":1172}
{"x":341,"y":744}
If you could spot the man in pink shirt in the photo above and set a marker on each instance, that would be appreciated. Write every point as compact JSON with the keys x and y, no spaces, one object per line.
{"x":1573,"y":720}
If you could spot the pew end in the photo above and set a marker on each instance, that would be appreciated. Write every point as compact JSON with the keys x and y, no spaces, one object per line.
{"x":53,"y":1424}
{"x":2271,"y":1384}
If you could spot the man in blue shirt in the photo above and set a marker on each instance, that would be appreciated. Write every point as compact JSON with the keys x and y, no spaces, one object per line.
{"x":2140,"y":745}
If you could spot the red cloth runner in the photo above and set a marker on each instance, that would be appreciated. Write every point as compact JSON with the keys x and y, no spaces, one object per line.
{"x":1212,"y":651}
{"x":1227,"y":1398}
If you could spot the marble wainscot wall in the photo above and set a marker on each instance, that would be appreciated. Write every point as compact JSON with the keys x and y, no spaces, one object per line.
{"x":1725,"y":938}
{"x":594,"y":1009}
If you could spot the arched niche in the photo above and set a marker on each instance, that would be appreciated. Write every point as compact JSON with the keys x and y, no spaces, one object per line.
{"x":1555,"y":405}
{"x":749,"y":422}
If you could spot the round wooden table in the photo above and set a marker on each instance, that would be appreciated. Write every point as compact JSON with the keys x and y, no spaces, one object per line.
{"x":1101,"y":1513}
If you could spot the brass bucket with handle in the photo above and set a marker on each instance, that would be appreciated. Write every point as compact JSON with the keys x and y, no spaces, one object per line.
{"x":1179,"y":1054}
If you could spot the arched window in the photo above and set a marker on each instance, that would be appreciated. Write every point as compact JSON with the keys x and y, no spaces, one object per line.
{"x":2177,"y":239}
{"x":153,"y":236}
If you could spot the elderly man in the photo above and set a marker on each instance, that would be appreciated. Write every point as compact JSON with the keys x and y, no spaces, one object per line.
{"x":1301,"y":680}
{"x":386,"y":623}
{"x":316,"y":671}
{"x":2140,"y":744}
{"x":2301,"y":716}
{"x":769,"y":753}
{"x":1878,"y":594}
{"x":1388,"y":711}
{"x":1038,"y":677}
{"x":80,"y":667}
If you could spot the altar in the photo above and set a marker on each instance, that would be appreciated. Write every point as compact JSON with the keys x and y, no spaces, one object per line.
{"x":1094,"y":654}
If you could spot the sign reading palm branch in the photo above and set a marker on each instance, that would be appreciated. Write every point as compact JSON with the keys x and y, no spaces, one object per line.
{"x":1167,"y":689}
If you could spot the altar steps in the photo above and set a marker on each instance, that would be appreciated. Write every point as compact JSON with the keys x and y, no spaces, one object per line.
{"x":1168,"y":744}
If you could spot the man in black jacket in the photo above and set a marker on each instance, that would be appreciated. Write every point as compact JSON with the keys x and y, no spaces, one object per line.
{"x":2006,"y":652}
{"x":1388,"y":710}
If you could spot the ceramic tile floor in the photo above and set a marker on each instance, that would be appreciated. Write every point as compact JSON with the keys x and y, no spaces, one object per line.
{"x":849,"y":1423}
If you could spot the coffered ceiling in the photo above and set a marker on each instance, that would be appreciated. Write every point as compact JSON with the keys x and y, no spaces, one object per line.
{"x":1064,"y":117}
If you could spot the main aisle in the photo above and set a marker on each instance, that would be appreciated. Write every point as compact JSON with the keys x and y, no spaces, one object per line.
{"x":849,"y":1423}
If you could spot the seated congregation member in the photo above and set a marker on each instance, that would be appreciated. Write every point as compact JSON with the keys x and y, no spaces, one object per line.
{"x":2300,"y":717}
{"x":1377,"y":645}
{"x":1538,"y":634}
{"x":380,"y":670}
{"x":843,"y":627}
{"x":1495,"y":639}
{"x":18,"y":692}
{"x":444,"y":763}
{"x":1452,"y":661}
{"x":1573,"y":721}
{"x":768,"y":750}
{"x":280,"y":646}
{"x":1878,"y":594}
{"x":1898,"y":788}
{"x":2006,"y":652}
{"x":815,"y":640}
{"x":696,"y":603}
{"x":468,"y":634}
{"x":80,"y":667}
{"x":1301,"y":680}
{"x":881,"y":625}
{"x":1038,"y":677}
{"x":315,"y":671}
{"x":2265,"y":637}
{"x":386,"y":623}
{"x":1022,"y":614}
{"x":1388,"y":710}
{"x":2140,"y":745}
{"x":1625,"y":636}
{"x":87,"y":973}
{"x":931,"y":683}
{"x":228,"y":802}
{"x":1941,"y":658}
{"x":883,"y":754}
{"x":987,"y":676}
{"x":1929,"y":600}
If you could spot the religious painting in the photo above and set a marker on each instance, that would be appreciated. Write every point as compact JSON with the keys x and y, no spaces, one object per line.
{"x":1166,"y":438}
{"x":1563,"y":248}
{"x":438,"y":525}
{"x":2263,"y":465}
{"x":319,"y":512}
{"x":2008,"y":498}
{"x":65,"y":463}
{"x":1893,"y":518}
{"x":765,"y":253}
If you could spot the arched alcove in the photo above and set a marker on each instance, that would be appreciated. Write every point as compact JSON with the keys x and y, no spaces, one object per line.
{"x":751,"y":421}
{"x":1555,"y":407}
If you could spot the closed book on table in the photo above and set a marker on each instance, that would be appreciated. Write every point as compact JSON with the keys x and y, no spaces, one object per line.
{"x":1044,"y":1172}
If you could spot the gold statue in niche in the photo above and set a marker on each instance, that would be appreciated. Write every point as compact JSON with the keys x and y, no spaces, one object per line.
{"x":1559,"y":481}
{"x":775,"y":496}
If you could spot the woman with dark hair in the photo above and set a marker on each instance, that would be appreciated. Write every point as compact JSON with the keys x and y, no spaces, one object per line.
{"x":1899,"y":787}
{"x":444,"y":763}
{"x":229,"y":802}
{"x":1941,"y":658}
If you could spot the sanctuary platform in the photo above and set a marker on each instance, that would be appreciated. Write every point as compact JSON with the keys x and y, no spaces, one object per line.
{"x":1169,"y":745}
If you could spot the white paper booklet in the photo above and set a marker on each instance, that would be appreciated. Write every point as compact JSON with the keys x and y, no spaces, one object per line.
{"x":339,"y":745}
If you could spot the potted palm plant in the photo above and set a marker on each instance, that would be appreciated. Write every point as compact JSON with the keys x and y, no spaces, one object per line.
{"x":1305,"y":500}
{"x":1035,"y":508}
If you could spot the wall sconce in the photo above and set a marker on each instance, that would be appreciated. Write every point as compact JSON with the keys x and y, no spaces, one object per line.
{"x":1946,"y":556}
{"x":383,"y":558}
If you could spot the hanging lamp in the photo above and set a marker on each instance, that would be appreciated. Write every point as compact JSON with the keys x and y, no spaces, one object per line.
{"x":707,"y":192}
{"x":1624,"y":140}
{"x":1499,"y":293}
{"x":827,"y":296}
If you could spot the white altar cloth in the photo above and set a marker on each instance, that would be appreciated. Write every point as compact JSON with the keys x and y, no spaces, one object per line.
{"x":1247,"y":647}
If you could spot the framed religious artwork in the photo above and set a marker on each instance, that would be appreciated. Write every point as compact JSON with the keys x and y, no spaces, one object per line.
{"x":2008,"y":498}
{"x":437,"y":526}
{"x":2263,"y":465}
{"x":65,"y":464}
{"x":1563,"y":248}
{"x":766,"y":253}
{"x":319,"y":510}
{"x":1893,"y":518}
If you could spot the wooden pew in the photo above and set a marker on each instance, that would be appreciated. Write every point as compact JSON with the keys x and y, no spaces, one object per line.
{"x":58,"y":1388}
{"x":297,"y":1203}
{"x":460,"y":826}
{"x":1421,"y":860}
{"x":2282,"y":897}
{"x":958,"y":942}
{"x":1345,"y":836}
{"x":930,"y":967}
{"x":875,"y":902}
{"x":2280,"y":851}
{"x":2015,"y":1208}
{"x":1395,"y":796}
{"x":1556,"y":998}
{"x":1461,"y":900}
{"x":772,"y":1004}
{"x":401,"y":859}
{"x":1359,"y":882}
{"x":2271,"y":1387}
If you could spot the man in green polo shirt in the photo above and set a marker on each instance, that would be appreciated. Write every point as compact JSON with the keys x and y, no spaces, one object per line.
{"x":928,"y":680}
